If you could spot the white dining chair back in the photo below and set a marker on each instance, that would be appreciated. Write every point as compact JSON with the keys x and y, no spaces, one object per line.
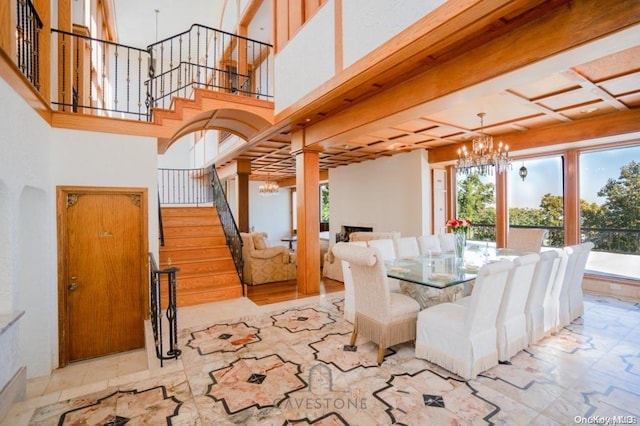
{"x":461,"y":338}
{"x":447,"y":242}
{"x":526,"y":240}
{"x":576,"y":297}
{"x":383,"y":317}
{"x":563,"y":280}
{"x":406,"y":247}
{"x":512,"y":322}
{"x":386,"y":247}
{"x":349,"y":297}
{"x":540,"y":287}
{"x":429,"y":244}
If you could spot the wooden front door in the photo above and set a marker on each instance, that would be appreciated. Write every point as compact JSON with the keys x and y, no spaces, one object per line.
{"x":102,"y":271}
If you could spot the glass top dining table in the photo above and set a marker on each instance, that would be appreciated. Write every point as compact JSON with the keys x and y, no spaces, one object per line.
{"x":439,"y":278}
{"x":442,"y":270}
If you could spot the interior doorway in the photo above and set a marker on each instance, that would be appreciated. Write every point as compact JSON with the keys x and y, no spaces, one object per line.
{"x":102,"y":270}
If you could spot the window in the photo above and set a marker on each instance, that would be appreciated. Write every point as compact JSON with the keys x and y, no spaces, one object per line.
{"x":538,"y":201}
{"x":610,"y":199}
{"x":476,"y":202}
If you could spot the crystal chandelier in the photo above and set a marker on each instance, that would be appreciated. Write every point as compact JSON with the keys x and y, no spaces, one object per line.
{"x":483,"y":158}
{"x":269,"y":187}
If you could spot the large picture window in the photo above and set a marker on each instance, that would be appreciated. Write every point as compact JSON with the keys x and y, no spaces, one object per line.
{"x":537,"y":201}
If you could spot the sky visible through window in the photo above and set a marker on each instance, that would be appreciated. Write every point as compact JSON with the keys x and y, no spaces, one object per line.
{"x":597,"y":167}
{"x":545,"y":176}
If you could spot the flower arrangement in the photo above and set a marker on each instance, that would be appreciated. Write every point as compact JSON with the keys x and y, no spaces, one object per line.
{"x":459,"y":226}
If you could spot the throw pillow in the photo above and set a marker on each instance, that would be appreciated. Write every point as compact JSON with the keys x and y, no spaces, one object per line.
{"x":260,"y":242}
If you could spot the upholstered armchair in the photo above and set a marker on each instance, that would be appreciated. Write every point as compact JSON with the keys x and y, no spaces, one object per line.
{"x":332,"y":266}
{"x":264,"y":264}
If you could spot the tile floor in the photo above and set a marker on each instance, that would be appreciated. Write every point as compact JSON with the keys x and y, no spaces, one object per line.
{"x":287,"y":363}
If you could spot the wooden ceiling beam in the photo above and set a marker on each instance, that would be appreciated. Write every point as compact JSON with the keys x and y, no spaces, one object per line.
{"x":612,"y":124}
{"x":506,"y":61}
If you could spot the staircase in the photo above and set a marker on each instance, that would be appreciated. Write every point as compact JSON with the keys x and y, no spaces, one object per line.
{"x":194,"y":241}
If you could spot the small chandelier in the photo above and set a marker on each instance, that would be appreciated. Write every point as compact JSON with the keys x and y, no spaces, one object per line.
{"x":483,"y":158}
{"x":269,"y":187}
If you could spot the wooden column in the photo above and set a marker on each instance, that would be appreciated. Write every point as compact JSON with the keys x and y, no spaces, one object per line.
{"x":243,"y":172}
{"x":308,"y":214}
{"x":502,"y":210}
{"x":571,"y":198}
{"x":8,"y":17}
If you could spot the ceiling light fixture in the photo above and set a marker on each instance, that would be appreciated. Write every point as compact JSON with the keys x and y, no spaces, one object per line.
{"x":483,"y":159}
{"x":269,"y":187}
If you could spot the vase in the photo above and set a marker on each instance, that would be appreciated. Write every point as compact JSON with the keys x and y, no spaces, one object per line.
{"x":460,"y":242}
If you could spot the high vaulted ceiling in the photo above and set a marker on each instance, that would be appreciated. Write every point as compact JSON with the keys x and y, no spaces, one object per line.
{"x":596,"y":79}
{"x":530,"y":65}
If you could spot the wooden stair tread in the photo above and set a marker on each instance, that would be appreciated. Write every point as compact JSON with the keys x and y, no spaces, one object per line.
{"x":195,"y":242}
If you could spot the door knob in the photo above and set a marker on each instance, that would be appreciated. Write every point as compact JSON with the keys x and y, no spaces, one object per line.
{"x":73,"y":285}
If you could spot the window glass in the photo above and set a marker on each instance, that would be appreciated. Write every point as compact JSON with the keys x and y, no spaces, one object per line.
{"x":476,"y":202}
{"x":610,"y":199}
{"x":537,"y":201}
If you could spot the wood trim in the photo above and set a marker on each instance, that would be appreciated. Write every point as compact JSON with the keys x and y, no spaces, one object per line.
{"x":61,"y":215}
{"x":308,"y":213}
{"x":8,"y":17}
{"x":571,"y":198}
{"x":498,"y":56}
{"x":612,"y":124}
{"x":338,"y":53}
{"x":13,"y":76}
{"x":502,"y":210}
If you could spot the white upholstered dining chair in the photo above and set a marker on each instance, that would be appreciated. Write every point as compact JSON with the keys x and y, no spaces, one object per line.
{"x":576,"y":297}
{"x":349,"y":296}
{"x":526,"y":240}
{"x":406,"y":247}
{"x":511,"y":323}
{"x":429,"y":244}
{"x":462,"y":338}
{"x":564,"y":301}
{"x":387,"y":250}
{"x":556,"y":306}
{"x":447,"y":242}
{"x":383,"y":317}
{"x":543,"y":278}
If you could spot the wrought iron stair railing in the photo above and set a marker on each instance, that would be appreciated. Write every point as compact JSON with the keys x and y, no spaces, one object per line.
{"x":231,"y":231}
{"x":202,"y":187}
{"x":155,"y":310}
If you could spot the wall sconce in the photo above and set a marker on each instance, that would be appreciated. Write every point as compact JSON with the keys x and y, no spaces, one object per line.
{"x":523,"y":172}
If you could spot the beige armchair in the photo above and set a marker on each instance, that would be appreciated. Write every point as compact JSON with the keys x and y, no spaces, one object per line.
{"x":332,"y":266}
{"x":264,"y":264}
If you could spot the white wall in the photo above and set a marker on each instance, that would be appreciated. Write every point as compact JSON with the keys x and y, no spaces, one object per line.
{"x":27,"y":250}
{"x":269,"y":214}
{"x":308,"y":60}
{"x":367,"y":24}
{"x":388,"y":194}
{"x":179,"y":155}
{"x":82,"y":158}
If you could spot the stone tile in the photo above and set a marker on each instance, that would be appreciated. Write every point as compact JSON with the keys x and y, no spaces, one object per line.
{"x":290,"y":363}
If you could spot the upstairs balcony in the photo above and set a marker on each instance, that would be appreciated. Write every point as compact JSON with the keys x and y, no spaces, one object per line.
{"x":167,"y":83}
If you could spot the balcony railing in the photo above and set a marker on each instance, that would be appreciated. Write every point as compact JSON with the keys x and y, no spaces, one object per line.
{"x":611,"y":240}
{"x":100,"y":77}
{"x":28,"y":26}
{"x":184,"y":186}
{"x":204,"y":57}
{"x":103,"y":78}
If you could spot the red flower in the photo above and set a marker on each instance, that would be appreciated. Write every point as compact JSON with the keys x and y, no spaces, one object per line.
{"x":459,"y":225}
